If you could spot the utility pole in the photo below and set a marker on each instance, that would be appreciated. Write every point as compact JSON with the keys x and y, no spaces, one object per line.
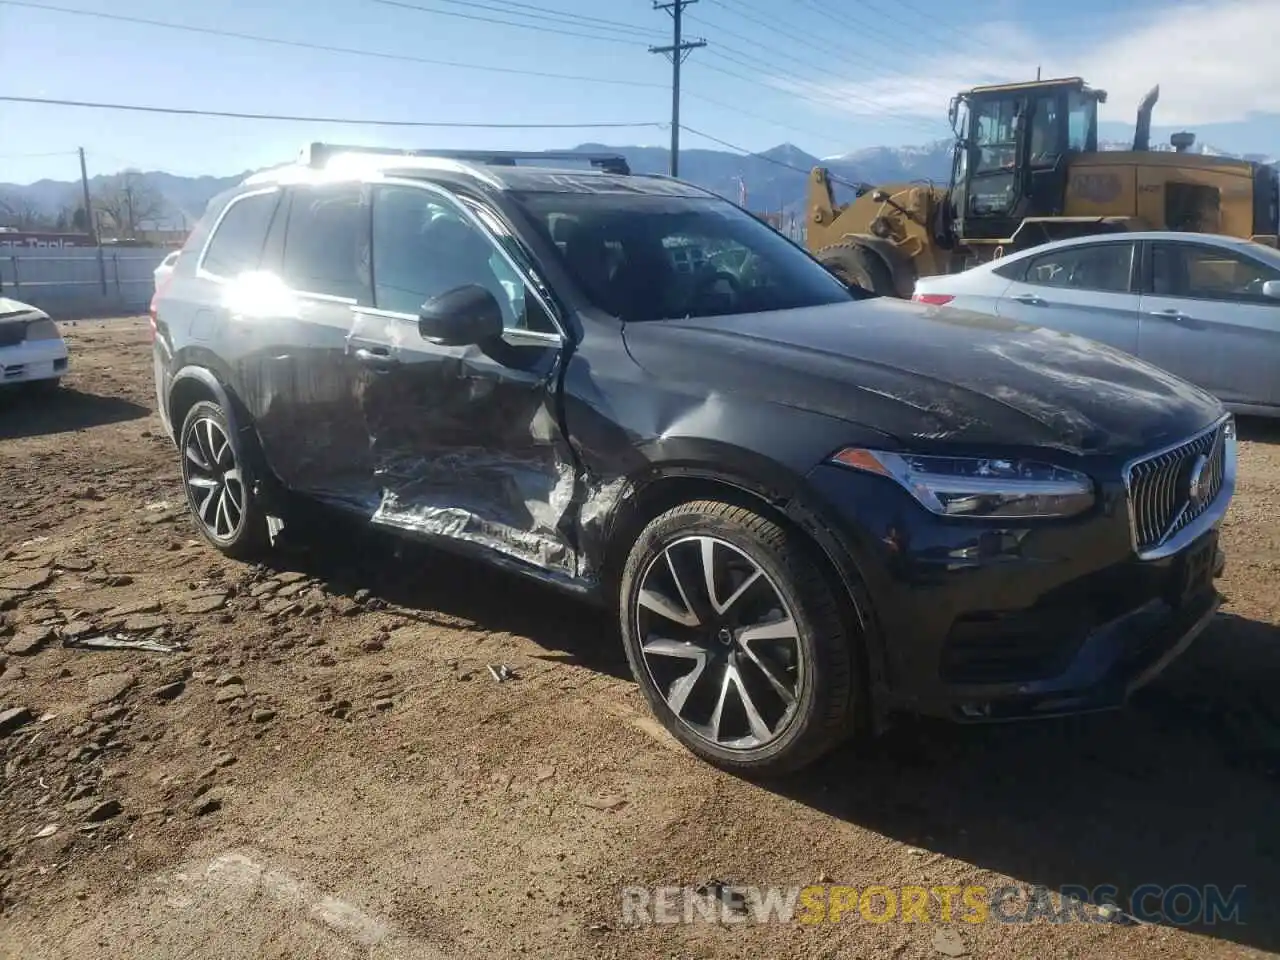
{"x":91,"y":222}
{"x":88,"y":206}
{"x":677,"y":52}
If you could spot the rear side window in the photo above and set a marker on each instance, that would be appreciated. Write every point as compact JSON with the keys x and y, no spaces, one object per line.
{"x":1106,"y":268}
{"x":237,"y":241}
{"x":1013,"y":270}
{"x":326,"y":245}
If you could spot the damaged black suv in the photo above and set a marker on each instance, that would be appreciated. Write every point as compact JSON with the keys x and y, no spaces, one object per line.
{"x":809,"y":510}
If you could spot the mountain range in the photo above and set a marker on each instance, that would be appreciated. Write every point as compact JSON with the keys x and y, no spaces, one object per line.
{"x":774,"y":180}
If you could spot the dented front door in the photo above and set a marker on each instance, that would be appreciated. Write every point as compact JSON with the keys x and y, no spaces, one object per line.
{"x":464,"y":440}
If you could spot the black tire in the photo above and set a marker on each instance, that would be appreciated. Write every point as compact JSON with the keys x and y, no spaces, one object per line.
{"x":826,"y":688}
{"x":230,"y":519}
{"x":857,"y":264}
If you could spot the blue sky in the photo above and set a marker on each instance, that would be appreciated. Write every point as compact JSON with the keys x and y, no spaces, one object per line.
{"x":830,"y":76}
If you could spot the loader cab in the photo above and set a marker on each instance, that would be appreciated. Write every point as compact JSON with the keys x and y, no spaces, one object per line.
{"x":1013,"y":143}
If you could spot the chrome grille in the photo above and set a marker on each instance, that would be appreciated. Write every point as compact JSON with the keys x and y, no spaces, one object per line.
{"x":1160,"y":494}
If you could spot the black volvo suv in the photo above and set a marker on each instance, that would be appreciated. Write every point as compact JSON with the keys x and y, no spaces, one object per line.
{"x":809,"y":509}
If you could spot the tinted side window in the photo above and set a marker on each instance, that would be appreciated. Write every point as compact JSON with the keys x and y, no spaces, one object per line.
{"x":326,"y":246}
{"x":423,"y":246}
{"x":1105,"y":268}
{"x":1209,"y":273}
{"x":237,"y":242}
{"x":1014,"y":270}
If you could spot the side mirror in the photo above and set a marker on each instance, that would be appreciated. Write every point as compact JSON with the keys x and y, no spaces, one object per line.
{"x":462,"y":316}
{"x":1271,"y":288}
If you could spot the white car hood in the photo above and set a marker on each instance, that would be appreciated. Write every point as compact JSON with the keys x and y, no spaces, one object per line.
{"x":13,"y":309}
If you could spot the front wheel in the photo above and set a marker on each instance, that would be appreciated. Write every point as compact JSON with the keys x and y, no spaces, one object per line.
{"x":855,"y":264}
{"x":736,"y":639}
{"x":219,"y":485}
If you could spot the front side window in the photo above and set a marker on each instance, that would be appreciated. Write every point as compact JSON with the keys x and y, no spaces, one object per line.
{"x":1082,"y":122}
{"x":238,"y":240}
{"x":326,"y":244}
{"x":995,"y":135}
{"x":1045,"y":146}
{"x":424,"y":246}
{"x":658,"y":258}
{"x":1105,"y":268}
{"x":1210,"y":273}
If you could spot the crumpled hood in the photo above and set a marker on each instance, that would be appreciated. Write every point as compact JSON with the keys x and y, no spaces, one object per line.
{"x":931,"y":375}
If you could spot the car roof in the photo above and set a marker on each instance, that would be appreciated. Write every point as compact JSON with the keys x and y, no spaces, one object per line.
{"x":530,"y":179}
{"x":1132,"y":236}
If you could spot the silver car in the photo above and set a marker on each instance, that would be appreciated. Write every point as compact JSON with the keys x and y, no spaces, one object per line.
{"x":1204,"y":307}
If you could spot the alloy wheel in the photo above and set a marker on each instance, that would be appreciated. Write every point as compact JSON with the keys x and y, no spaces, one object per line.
{"x":215,"y":483}
{"x":720,"y":642}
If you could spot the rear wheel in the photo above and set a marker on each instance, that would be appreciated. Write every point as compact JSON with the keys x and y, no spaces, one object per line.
{"x":855,"y":263}
{"x":736,"y":639}
{"x":219,"y":486}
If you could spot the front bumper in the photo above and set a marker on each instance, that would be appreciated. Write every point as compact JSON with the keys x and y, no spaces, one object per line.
{"x":986,"y":621}
{"x":33,"y":360}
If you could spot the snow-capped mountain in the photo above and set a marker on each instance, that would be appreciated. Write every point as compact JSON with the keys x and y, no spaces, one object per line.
{"x":773,"y":181}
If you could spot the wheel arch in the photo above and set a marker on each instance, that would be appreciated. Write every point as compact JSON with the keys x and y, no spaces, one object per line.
{"x":668,"y":486}
{"x":194,"y":383}
{"x":900,"y":268}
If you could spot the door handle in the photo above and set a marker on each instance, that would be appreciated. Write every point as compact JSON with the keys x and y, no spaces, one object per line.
{"x":1028,"y":298}
{"x":377,"y":357}
{"x":1172,"y":313}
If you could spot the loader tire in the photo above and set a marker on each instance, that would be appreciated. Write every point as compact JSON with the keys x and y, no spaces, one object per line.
{"x":858,"y":265}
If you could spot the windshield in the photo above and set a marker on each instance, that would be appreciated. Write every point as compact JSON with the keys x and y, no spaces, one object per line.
{"x":664,"y":258}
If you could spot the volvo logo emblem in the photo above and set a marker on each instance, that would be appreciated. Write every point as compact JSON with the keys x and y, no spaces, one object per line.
{"x":1197,"y":482}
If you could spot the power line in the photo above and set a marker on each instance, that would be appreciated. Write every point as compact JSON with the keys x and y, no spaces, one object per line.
{"x":807,"y":41}
{"x":912,"y":25}
{"x":776,"y":162}
{"x":505,"y":23}
{"x":324,"y":48}
{"x":561,"y":15}
{"x":732,"y":108}
{"x":37,"y":156}
{"x":429,"y":61}
{"x":825,"y":100}
{"x":346,"y":121}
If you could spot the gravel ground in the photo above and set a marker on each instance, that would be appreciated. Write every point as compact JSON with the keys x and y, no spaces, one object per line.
{"x":328,"y":769}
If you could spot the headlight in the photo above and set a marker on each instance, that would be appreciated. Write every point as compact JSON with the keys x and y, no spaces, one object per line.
{"x":979,"y":487}
{"x":42,"y":330}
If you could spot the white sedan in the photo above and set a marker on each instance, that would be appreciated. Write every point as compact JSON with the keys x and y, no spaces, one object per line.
{"x":1202,"y":306}
{"x":32,"y":350}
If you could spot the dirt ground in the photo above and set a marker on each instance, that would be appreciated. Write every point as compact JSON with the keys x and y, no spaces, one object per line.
{"x":329,"y":770}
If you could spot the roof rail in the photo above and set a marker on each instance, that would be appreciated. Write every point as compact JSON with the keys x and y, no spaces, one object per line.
{"x":317,"y":154}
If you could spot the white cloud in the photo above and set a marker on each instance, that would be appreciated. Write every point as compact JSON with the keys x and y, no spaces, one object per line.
{"x":1214,"y":60}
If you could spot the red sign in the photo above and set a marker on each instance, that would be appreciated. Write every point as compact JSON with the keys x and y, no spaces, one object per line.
{"x":28,"y":240}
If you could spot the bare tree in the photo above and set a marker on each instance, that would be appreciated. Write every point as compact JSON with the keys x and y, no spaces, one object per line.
{"x":125,"y":201}
{"x":21,"y":213}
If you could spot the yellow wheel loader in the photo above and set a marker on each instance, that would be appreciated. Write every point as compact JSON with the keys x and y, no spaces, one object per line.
{"x":1026,"y":169}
